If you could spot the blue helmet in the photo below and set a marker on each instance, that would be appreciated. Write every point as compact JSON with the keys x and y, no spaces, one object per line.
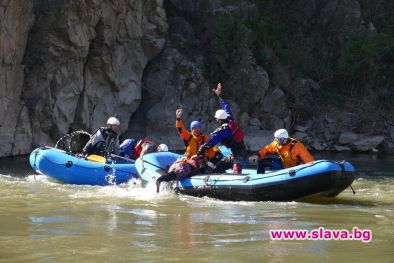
{"x":195,"y":124}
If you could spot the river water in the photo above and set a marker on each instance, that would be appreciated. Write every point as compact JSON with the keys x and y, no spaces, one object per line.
{"x":44,"y":221}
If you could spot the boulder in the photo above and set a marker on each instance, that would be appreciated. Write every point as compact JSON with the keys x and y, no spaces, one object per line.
{"x":301,"y":136}
{"x":255,"y":139}
{"x":300,"y":128}
{"x":391,"y":130}
{"x":301,"y":87}
{"x":348,"y":138}
{"x":340,"y":148}
{"x":367,"y":143}
{"x":244,"y":120}
{"x":387,"y":147}
{"x":255,"y":122}
{"x":318,"y":145}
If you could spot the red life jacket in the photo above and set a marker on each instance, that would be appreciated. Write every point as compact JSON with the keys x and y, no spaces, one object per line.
{"x":138,"y":148}
{"x":238,"y":134}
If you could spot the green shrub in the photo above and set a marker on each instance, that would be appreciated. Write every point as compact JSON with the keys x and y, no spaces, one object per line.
{"x":366,"y":64}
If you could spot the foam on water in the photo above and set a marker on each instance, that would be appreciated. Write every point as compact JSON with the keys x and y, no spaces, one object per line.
{"x":131,"y":190}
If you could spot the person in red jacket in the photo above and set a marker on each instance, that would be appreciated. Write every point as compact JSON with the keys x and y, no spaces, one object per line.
{"x":290,"y":151}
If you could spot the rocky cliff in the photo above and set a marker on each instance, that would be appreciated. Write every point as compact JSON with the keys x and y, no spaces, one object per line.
{"x":15,"y":131}
{"x":68,"y":65}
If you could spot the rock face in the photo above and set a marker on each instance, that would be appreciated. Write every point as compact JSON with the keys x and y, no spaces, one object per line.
{"x":195,"y":58}
{"x":68,"y":65}
{"x":78,"y":67}
{"x":89,"y":63}
{"x":15,"y":21}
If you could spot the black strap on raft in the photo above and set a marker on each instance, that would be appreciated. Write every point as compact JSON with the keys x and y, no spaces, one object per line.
{"x":246,"y":179}
{"x":351,"y":187}
{"x":206,"y":179}
{"x":342,"y":165}
{"x":68,"y":164}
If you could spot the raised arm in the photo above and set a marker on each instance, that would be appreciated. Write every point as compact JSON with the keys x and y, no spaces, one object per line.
{"x":185,"y":135}
{"x":223,"y":103}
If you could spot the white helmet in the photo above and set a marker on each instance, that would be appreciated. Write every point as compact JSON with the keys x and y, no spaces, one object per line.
{"x":113,"y":121}
{"x":281,"y":134}
{"x":162,"y":148}
{"x":221,"y":114}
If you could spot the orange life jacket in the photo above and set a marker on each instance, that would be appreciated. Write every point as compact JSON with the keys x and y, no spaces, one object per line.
{"x":193,"y":142}
{"x":293,"y":153}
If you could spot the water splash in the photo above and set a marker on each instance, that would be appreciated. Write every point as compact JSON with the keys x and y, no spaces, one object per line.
{"x":110,"y":178}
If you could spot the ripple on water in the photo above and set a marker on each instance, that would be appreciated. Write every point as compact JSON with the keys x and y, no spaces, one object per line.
{"x":136,"y":223}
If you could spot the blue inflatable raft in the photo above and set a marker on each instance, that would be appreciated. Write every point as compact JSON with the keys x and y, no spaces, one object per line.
{"x":67,"y":168}
{"x":322,"y":177}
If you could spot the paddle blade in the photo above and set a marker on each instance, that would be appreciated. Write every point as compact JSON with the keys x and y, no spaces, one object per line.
{"x":96,"y":158}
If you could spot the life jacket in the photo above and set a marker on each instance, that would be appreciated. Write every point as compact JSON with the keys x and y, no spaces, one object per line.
{"x":286,"y":156}
{"x":107,"y":145}
{"x":109,"y":140}
{"x":194,"y":143}
{"x":238,"y":134}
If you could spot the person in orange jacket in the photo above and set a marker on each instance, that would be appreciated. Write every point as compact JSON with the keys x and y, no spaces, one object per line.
{"x":291,"y":152}
{"x":194,"y":139}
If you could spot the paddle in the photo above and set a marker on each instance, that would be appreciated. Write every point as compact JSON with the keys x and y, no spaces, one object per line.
{"x":121,"y":157}
{"x":101,"y":159}
{"x":96,"y":158}
{"x":92,"y":157}
{"x":144,"y":161}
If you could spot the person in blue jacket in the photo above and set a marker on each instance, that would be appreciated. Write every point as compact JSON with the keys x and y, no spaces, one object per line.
{"x":228,"y":134}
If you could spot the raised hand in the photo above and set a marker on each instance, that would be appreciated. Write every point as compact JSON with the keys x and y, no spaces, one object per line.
{"x":218,"y":89}
{"x":178,"y":113}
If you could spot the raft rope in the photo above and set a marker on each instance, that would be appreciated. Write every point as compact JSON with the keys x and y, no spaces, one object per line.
{"x":95,"y":167}
{"x":206,"y":179}
{"x":143,"y":161}
{"x":262,"y":177}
